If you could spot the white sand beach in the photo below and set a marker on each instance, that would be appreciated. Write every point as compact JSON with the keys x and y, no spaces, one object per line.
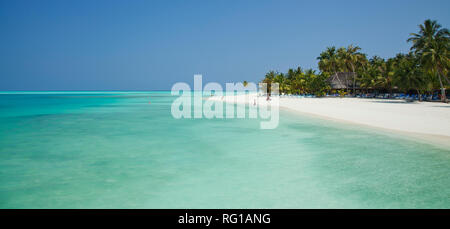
{"x":419,"y":118}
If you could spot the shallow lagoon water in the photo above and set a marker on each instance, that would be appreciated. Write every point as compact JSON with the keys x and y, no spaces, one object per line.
{"x":117,"y":150}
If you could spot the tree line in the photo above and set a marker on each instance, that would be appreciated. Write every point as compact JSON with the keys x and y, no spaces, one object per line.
{"x":424,"y":70}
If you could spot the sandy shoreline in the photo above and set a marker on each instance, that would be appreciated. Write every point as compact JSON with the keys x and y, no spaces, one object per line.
{"x":422,"y":120}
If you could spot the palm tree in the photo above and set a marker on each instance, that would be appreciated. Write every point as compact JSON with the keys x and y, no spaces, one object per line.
{"x":315,"y":84}
{"x":408,"y":75}
{"x":388,"y":74}
{"x":290,"y":74}
{"x":245,"y":83}
{"x":268,"y":79}
{"x":351,"y":58}
{"x":432,"y":45}
{"x":372,"y":76}
{"x":281,"y":80}
{"x":298,"y":82}
{"x":329,"y":62}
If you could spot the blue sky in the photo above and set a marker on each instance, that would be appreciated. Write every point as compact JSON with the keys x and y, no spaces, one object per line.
{"x":150,"y":45}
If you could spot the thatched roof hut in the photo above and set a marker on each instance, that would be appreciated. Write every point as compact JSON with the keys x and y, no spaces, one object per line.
{"x":342,"y":80}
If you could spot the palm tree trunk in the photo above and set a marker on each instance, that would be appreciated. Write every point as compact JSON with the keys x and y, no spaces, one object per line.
{"x":445,"y":77}
{"x":443,"y":97}
{"x":354,"y":81}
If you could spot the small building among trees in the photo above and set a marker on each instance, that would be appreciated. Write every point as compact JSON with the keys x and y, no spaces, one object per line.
{"x":342,"y":80}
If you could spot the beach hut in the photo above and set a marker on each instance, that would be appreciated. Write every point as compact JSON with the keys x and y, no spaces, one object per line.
{"x":342,"y":80}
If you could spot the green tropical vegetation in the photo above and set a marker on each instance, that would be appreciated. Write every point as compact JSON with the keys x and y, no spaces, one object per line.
{"x":422,"y":71}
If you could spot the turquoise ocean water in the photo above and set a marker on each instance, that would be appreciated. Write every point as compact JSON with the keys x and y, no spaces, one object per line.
{"x":117,"y":150}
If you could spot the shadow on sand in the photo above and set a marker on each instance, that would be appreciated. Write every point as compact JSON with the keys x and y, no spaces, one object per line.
{"x":396,"y":102}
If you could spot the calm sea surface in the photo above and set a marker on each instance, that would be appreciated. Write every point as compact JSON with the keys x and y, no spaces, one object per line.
{"x":117,"y":150}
